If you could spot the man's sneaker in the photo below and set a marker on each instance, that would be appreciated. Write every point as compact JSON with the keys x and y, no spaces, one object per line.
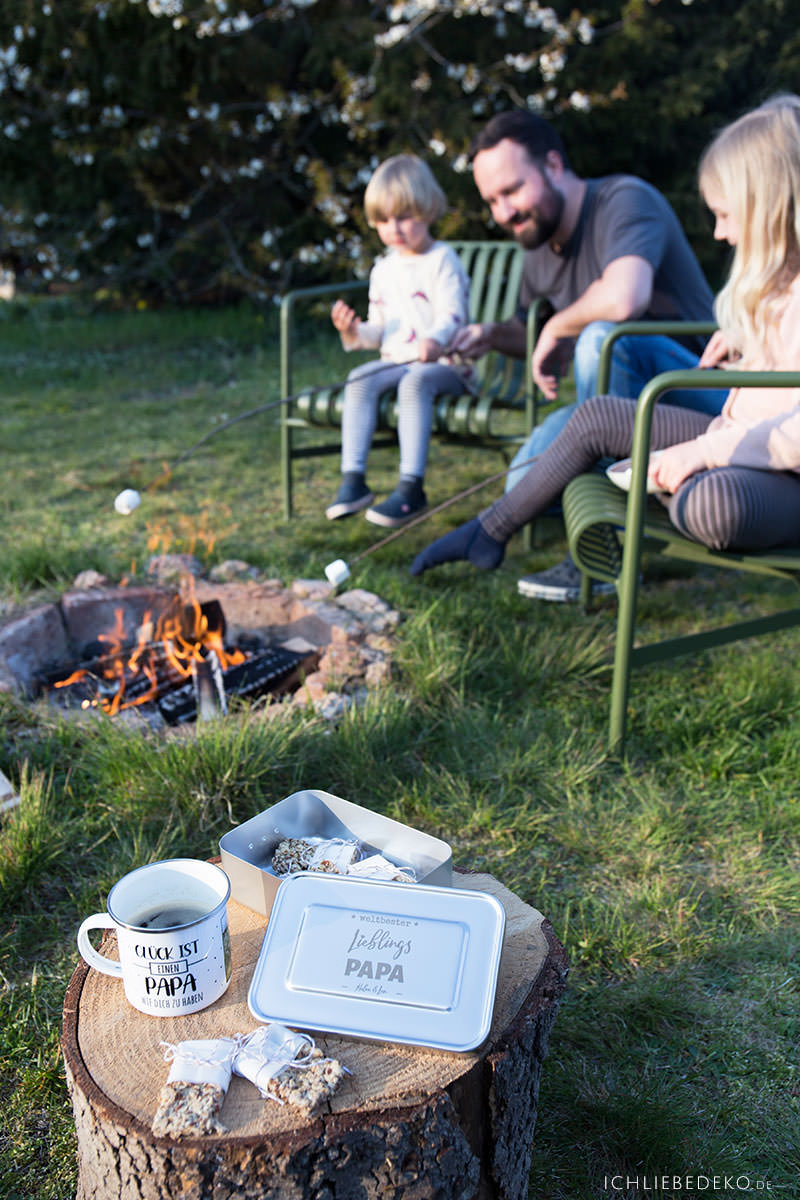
{"x":353,"y":495}
{"x":398,"y":508}
{"x":561,"y":583}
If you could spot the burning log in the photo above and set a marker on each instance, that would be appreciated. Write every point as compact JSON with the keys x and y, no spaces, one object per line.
{"x":163,"y":655}
{"x":273,"y":670}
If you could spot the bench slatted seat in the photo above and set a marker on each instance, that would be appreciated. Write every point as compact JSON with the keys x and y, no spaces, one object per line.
{"x":495,"y":273}
{"x":608,"y":532}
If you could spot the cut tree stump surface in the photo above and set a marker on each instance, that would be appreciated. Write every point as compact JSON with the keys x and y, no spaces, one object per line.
{"x":410,"y":1123}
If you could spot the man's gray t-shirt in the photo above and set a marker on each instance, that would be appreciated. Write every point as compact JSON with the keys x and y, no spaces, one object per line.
{"x":622,"y":215}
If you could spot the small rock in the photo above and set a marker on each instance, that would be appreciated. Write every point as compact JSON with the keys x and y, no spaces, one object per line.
{"x":89,"y":579}
{"x":311,"y":589}
{"x":170,"y":568}
{"x":312,"y":689}
{"x":377,"y":673}
{"x":333,"y":707}
{"x":374,"y":613}
{"x":232,"y":569}
{"x":341,"y":662}
{"x":379,"y":643}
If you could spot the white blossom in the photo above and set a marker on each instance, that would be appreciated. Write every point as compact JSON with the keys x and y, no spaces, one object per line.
{"x":112,"y":116}
{"x":238,"y":24}
{"x":252,"y":169}
{"x":391,"y":37}
{"x":165,"y":8}
{"x":551,"y":64}
{"x":520,"y":62}
{"x":149,"y":138}
{"x":334,"y":209}
{"x":471,"y":79}
{"x":437,"y":146}
{"x":580,"y":101}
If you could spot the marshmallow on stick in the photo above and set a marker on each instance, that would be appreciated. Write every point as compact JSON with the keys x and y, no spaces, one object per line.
{"x":337,"y":571}
{"x":127,"y":501}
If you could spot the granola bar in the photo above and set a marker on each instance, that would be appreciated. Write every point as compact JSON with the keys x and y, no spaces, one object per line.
{"x":331,"y":855}
{"x":189,"y":1110}
{"x":309,"y":1086}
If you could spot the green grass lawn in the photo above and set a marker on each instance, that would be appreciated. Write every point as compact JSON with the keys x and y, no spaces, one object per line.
{"x":671,"y":876}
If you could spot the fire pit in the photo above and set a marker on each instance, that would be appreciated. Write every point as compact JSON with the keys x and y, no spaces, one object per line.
{"x":166,"y":655}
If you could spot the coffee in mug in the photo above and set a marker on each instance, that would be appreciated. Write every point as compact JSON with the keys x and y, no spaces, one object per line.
{"x":171,"y":924}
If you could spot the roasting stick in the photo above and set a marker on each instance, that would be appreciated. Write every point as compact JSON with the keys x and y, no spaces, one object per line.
{"x":129,"y":499}
{"x":338,"y":571}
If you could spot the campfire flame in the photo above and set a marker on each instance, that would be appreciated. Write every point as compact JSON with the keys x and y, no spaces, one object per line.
{"x":179,"y":638}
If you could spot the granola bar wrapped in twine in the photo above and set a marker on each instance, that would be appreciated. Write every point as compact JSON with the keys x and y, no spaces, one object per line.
{"x":287,"y":1067}
{"x":335,"y":856}
{"x":199,"y":1077}
{"x":330,"y":855}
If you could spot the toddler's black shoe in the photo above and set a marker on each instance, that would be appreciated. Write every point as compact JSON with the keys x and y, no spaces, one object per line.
{"x":353,"y":495}
{"x":403,"y":505}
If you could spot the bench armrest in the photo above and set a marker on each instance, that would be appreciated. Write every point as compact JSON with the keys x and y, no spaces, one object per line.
{"x":642,"y":329}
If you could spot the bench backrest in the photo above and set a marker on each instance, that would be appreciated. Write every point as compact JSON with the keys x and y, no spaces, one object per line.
{"x":495,"y":274}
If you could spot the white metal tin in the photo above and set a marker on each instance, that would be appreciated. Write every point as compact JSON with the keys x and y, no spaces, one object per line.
{"x":396,"y":962}
{"x":247,"y":850}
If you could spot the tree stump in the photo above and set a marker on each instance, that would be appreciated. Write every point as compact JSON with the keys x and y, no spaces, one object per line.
{"x":409,"y":1123}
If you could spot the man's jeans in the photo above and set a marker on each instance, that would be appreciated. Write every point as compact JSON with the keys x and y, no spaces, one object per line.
{"x":634,"y":362}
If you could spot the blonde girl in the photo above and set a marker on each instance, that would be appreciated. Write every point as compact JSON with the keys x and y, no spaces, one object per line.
{"x":732,"y":481}
{"x":418,"y":299}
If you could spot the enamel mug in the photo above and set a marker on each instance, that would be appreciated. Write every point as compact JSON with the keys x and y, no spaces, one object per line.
{"x":171,"y":923}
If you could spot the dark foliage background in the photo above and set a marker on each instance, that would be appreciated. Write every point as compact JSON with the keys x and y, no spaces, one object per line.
{"x":187,"y":150}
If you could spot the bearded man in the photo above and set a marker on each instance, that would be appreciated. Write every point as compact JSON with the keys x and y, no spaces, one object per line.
{"x":600,"y":251}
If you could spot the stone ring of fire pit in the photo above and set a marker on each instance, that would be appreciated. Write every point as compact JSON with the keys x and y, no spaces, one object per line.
{"x":346,"y":638}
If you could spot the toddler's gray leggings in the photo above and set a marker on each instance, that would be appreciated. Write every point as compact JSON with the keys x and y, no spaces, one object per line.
{"x":733,"y":508}
{"x":417,"y":384}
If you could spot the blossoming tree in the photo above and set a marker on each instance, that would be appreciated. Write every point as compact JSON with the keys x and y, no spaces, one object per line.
{"x":187,"y":149}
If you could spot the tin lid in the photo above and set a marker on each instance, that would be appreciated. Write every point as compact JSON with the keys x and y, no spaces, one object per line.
{"x":396,"y":962}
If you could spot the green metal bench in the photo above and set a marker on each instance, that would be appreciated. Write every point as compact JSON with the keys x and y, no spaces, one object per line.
{"x":608,"y":532}
{"x":495,"y":273}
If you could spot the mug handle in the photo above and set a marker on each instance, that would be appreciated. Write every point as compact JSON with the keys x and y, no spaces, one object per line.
{"x":108,"y":966}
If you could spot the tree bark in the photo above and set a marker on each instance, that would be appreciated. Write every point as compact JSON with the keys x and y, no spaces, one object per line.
{"x":410,"y":1123}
